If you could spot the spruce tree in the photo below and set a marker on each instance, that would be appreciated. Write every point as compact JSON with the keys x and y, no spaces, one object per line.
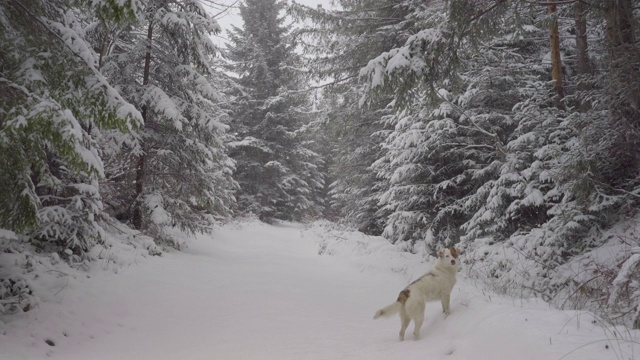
{"x":55,"y":107}
{"x":180,"y":175}
{"x":337,"y":45}
{"x":278,"y":173}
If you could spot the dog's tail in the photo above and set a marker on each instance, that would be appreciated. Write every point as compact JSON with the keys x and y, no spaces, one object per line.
{"x":389,"y":310}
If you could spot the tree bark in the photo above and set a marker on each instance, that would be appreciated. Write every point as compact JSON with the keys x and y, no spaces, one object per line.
{"x":619,"y":18}
{"x":556,"y":61}
{"x":140,"y":176}
{"x":623,"y":51}
{"x":583,"y":66}
{"x":582,"y":46}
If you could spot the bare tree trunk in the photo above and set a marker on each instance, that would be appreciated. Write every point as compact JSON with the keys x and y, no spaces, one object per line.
{"x":624,"y":91}
{"x":584,"y":68}
{"x":625,"y":15}
{"x":619,"y":17}
{"x":623,"y":51}
{"x":140,"y":178}
{"x":556,"y":61}
{"x":582,"y":46}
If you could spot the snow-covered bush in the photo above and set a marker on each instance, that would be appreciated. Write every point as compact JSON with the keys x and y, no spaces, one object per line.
{"x":15,"y":296}
{"x":15,"y":293}
{"x":604,"y":279}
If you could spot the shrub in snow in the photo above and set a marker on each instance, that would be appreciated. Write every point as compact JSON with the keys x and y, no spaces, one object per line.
{"x":605,"y":279}
{"x":15,"y":296}
{"x":625,"y":288}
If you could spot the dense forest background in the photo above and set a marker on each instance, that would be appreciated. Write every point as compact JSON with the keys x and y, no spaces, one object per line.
{"x":511,"y":128}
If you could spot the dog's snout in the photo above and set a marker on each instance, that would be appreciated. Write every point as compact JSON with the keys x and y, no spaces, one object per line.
{"x":453,"y":262}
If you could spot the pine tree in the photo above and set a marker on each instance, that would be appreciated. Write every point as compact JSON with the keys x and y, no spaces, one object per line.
{"x":55,"y":105}
{"x":355,"y":136}
{"x":278,"y":174}
{"x":338,"y":44}
{"x":181,"y":174}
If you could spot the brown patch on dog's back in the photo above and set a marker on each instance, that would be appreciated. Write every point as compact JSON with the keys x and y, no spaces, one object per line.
{"x":403,"y":296}
{"x":454,"y":252}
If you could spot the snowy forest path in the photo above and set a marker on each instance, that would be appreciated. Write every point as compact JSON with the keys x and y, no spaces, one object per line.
{"x":244,"y":292}
{"x":256,"y":291}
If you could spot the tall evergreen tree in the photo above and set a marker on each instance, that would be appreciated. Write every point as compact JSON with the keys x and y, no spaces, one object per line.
{"x":55,"y":107}
{"x":278,"y":174}
{"x":181,"y":174}
{"x":338,"y":44}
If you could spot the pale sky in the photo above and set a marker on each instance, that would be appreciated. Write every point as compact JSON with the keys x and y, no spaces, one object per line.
{"x":232,"y":16}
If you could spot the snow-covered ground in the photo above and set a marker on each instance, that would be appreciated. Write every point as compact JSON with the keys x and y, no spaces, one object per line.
{"x":255,"y":291}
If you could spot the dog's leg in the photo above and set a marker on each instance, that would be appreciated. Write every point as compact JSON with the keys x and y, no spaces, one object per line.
{"x":445,"y":304}
{"x":405,"y":319}
{"x":416,"y":330}
{"x":418,"y":319}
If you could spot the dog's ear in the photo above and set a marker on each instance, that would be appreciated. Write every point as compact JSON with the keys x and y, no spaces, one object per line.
{"x":441,"y":253}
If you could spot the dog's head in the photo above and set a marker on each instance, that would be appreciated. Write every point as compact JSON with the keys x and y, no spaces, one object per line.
{"x":449,"y":256}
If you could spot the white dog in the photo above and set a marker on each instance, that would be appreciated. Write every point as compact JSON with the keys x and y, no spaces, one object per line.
{"x":435,"y":285}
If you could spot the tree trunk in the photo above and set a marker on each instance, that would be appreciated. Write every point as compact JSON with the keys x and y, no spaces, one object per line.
{"x":556,"y":61}
{"x":623,"y":51}
{"x":140,"y":178}
{"x":583,"y":66}
{"x":625,"y":15}
{"x":619,"y":17}
{"x":582,"y":46}
{"x":624,"y":91}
